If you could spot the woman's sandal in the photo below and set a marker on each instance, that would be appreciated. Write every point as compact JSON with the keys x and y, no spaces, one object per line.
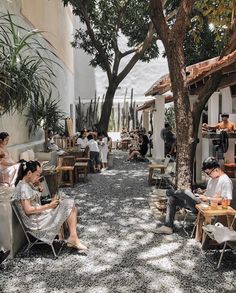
{"x":77,"y":245}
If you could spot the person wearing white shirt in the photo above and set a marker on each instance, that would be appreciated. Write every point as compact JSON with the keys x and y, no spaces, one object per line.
{"x":219,"y":188}
{"x":103,"y":148}
{"x":93,"y":153}
{"x":82,"y":140}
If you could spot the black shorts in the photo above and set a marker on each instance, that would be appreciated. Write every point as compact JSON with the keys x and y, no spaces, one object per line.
{"x":94,"y":157}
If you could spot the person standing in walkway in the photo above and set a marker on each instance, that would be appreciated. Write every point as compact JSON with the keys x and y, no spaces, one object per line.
{"x":169,"y":139}
{"x":103,"y":149}
{"x":219,"y":186}
{"x":93,"y":148}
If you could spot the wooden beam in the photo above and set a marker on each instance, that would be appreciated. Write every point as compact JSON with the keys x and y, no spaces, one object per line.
{"x":227,"y":80}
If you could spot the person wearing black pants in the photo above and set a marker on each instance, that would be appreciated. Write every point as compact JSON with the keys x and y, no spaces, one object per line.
{"x":219,"y":187}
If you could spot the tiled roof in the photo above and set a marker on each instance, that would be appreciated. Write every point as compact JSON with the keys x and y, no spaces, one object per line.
{"x":150,"y":105}
{"x":197,"y":73}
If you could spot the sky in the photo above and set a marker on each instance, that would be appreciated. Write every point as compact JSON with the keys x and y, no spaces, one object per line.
{"x":141,"y":78}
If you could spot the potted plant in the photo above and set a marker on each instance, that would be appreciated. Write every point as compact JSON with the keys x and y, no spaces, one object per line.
{"x":44,"y":112}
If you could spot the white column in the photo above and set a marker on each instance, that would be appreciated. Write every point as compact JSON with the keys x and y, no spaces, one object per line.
{"x":213,"y":109}
{"x":146,"y":120}
{"x":198,"y":156}
{"x":226,"y":100}
{"x":158,"y":124}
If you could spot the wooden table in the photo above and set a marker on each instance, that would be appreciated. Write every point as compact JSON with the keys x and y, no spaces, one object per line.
{"x":151,"y":167}
{"x":206,"y":214}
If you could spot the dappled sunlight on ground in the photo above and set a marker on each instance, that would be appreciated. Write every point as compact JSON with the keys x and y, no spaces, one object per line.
{"x":115,"y":221}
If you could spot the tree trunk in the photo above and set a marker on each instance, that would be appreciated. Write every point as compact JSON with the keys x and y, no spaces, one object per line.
{"x":184,"y":119}
{"x":106,"y":109}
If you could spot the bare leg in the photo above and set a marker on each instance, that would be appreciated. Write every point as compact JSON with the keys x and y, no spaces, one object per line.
{"x":132,"y":155}
{"x":73,"y":240}
{"x":72,"y":223}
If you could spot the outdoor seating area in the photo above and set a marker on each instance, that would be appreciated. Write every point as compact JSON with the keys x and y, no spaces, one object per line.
{"x":118,"y":146}
{"x":139,"y":189}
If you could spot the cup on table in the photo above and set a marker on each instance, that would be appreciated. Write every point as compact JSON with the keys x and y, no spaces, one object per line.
{"x":214,"y":203}
{"x":225,"y":203}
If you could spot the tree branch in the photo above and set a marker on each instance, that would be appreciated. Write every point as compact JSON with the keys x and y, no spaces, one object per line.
{"x":182,"y":19}
{"x":158,"y":19}
{"x":139,"y":53}
{"x":96,"y":42}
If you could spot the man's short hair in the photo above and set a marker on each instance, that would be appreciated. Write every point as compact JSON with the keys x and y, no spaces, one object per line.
{"x":225,"y":115}
{"x":210,"y":163}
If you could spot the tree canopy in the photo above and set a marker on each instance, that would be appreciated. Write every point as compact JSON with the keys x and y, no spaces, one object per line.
{"x":104,"y":22}
{"x":173,"y":34}
{"x":208,"y":25}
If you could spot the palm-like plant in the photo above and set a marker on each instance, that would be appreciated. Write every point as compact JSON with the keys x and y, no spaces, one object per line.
{"x":44,"y":113}
{"x":25,"y":69}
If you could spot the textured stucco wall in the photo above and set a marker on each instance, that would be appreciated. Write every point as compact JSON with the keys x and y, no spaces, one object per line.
{"x":37,"y":13}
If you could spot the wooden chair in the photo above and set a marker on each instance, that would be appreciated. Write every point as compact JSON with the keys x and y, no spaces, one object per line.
{"x":65,"y":169}
{"x":162,"y":167}
{"x":81,"y":168}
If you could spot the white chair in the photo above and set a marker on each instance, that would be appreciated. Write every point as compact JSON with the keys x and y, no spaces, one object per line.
{"x":221,"y":234}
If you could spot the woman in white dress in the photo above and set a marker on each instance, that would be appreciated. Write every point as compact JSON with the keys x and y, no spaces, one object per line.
{"x":104,"y":149}
{"x":8,"y":168}
{"x":44,"y":221}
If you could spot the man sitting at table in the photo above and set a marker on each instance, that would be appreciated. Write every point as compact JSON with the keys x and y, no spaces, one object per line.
{"x":219,"y":187}
{"x":225,"y":124}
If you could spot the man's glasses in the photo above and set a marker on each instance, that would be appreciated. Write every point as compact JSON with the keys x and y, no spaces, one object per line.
{"x":209,"y":173}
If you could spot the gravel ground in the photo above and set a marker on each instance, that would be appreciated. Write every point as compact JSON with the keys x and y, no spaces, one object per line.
{"x":115,"y":221}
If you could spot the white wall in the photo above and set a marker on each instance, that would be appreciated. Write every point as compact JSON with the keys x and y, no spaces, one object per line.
{"x":73,"y":78}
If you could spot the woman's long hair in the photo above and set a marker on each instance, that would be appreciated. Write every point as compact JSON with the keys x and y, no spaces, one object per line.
{"x":25,"y":167}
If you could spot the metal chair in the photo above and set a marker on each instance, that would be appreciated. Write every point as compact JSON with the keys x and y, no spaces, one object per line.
{"x":189,"y":213}
{"x":212,"y":230}
{"x":31,"y":238}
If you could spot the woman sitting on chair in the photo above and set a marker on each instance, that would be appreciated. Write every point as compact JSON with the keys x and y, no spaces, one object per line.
{"x":44,"y":221}
{"x":8,"y":168}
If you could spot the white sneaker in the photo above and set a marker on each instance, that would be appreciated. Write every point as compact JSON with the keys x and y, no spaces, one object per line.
{"x":163,"y":230}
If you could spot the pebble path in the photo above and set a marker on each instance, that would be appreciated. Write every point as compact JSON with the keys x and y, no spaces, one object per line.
{"x":115,"y":221}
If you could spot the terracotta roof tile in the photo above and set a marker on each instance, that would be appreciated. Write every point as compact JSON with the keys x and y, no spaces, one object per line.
{"x":196,"y":71}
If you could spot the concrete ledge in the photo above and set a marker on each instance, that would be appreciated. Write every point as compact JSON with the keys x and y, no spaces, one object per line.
{"x":17,"y":149}
{"x":12,"y":236}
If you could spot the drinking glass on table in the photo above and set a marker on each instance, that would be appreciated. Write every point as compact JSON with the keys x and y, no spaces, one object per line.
{"x":213,"y":203}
